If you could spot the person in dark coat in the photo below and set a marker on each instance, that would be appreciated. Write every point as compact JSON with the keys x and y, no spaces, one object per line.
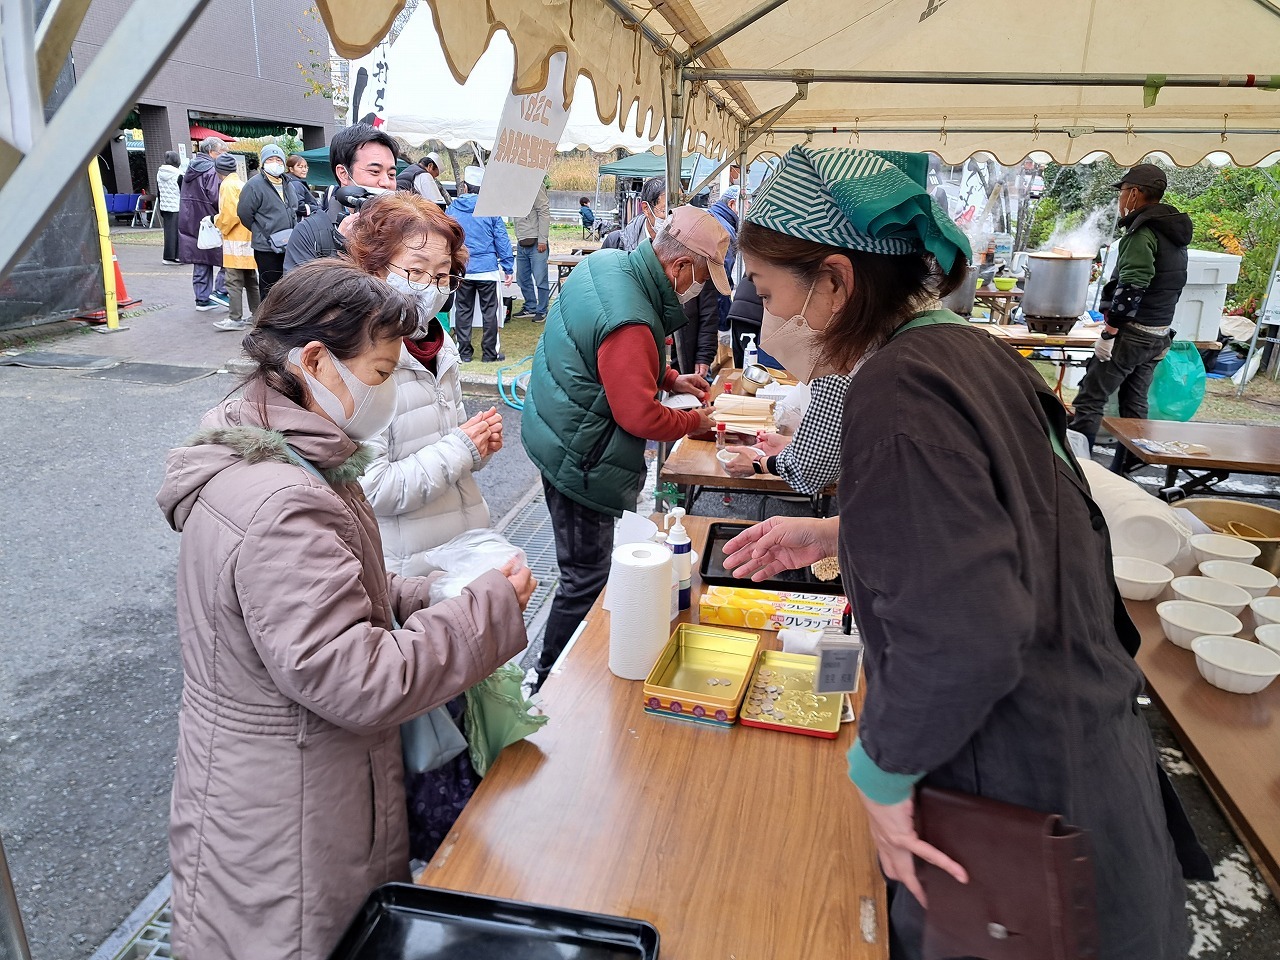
{"x":725,"y":209}
{"x":696,"y":341}
{"x":1137,"y":302}
{"x":999,"y":656}
{"x":198,"y":198}
{"x":745,"y":313}
{"x":269,"y":210}
{"x":296,"y":169}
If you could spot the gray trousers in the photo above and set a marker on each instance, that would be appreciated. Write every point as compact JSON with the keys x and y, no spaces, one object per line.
{"x":240,"y":283}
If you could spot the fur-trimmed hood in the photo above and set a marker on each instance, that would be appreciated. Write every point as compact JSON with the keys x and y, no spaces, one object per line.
{"x":254,"y":429}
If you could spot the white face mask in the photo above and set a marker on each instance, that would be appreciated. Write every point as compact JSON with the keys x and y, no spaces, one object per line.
{"x":793,"y":342}
{"x":274,"y":167}
{"x":430,"y":299}
{"x":690,"y":291}
{"x":373,"y":407}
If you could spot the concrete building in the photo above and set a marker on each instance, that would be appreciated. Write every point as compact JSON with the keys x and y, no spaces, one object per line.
{"x":237,"y":68}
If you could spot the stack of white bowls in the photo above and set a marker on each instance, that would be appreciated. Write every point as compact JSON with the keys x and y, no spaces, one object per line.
{"x":1208,"y":627}
{"x":1141,"y":525}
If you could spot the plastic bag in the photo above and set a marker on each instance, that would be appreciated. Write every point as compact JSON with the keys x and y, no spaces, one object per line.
{"x":1178,"y":386}
{"x":790,"y":410}
{"x":430,"y":741}
{"x":466,"y":557}
{"x":498,"y":716}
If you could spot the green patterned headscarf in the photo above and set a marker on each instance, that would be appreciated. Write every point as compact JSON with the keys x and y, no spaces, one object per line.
{"x":869,"y":200}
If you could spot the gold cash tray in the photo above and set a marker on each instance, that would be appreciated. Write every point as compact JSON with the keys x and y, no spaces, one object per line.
{"x":802,"y":710}
{"x":679,"y":683}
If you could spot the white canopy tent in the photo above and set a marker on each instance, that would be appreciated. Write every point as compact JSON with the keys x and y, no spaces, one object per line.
{"x":424,"y":101}
{"x":949,"y":76}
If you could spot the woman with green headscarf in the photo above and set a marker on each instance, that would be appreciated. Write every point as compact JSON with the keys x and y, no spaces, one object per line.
{"x":999,"y":658}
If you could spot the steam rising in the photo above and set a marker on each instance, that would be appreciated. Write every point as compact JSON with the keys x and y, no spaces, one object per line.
{"x":1083,"y":240}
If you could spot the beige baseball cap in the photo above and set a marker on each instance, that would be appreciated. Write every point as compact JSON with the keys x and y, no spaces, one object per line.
{"x":704,"y":235}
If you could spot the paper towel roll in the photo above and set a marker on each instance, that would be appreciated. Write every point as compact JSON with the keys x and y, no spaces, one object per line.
{"x":639,"y":608}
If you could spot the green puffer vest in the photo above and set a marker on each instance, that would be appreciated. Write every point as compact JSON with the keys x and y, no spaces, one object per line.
{"x":567,"y":427}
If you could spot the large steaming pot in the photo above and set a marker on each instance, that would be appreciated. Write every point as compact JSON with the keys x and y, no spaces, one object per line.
{"x":960,"y":300}
{"x":1057,"y":285}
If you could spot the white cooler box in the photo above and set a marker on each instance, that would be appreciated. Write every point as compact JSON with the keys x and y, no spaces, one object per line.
{"x":1199,"y":311}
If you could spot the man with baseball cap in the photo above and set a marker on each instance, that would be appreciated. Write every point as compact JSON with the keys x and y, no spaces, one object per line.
{"x":593,"y":396}
{"x":1137,"y":302}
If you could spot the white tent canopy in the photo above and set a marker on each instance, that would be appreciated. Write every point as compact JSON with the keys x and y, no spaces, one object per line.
{"x":424,"y":101}
{"x":950,"y":76}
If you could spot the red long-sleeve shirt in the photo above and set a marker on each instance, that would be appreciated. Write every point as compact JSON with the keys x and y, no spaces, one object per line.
{"x":628,"y":365}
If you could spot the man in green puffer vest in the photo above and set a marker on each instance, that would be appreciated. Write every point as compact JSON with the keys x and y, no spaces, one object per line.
{"x":593,"y":397}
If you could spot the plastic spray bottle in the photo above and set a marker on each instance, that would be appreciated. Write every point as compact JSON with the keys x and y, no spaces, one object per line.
{"x":750,"y":355}
{"x":681,"y":548}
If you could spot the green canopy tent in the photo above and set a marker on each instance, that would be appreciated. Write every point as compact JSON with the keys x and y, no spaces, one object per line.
{"x":320,"y":173}
{"x":646,"y":165}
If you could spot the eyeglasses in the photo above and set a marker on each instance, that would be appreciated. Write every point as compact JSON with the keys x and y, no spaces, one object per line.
{"x":444,"y":282}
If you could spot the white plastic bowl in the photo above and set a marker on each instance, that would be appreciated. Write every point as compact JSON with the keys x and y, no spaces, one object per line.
{"x":1139,"y":579}
{"x":1228,"y":596}
{"x":1184,"y":620}
{"x":1269,"y":636}
{"x":1235,"y":665}
{"x":1255,"y":580}
{"x":1218,"y":546}
{"x":1266,"y":610}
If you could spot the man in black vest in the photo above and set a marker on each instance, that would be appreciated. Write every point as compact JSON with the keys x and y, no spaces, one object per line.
{"x":1137,"y":302}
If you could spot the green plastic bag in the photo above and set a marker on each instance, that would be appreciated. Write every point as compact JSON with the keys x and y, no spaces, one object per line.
{"x":1177,"y":389}
{"x":497,"y":716}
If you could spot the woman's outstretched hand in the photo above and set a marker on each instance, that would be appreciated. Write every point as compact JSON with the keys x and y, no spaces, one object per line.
{"x":781,"y":543}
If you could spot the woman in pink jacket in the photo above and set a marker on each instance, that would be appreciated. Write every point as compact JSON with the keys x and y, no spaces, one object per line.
{"x":288,"y":798}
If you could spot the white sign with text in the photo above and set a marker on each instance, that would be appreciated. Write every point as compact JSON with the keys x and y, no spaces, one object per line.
{"x":530,"y":128}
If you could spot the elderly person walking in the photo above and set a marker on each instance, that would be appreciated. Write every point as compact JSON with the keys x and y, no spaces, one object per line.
{"x":198,"y":199}
{"x":999,"y":657}
{"x":593,"y":397}
{"x":301,"y":653}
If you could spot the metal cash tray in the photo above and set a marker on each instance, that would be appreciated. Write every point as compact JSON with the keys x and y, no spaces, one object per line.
{"x":805,"y":712}
{"x":795,"y":581}
{"x":403,"y":921}
{"x":679,"y":685}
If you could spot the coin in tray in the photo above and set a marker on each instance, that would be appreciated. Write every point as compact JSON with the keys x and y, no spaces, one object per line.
{"x":781,"y":697}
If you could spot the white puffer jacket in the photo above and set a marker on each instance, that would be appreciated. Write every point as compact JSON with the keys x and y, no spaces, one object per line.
{"x":420,"y":483}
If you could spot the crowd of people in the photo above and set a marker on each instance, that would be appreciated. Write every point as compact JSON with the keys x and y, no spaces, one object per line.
{"x":350,"y":445}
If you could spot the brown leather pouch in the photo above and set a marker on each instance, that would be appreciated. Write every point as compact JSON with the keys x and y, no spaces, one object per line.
{"x":1031,"y":892}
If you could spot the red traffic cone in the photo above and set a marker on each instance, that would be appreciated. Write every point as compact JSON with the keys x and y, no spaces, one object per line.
{"x":122,"y":295}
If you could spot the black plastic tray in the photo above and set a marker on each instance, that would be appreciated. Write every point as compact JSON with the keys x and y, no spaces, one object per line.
{"x":403,"y":921}
{"x":713,"y":571}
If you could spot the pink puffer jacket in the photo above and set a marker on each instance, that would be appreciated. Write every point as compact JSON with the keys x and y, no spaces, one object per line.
{"x":288,"y":799}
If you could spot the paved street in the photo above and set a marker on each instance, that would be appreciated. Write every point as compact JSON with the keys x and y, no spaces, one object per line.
{"x":89,"y":666}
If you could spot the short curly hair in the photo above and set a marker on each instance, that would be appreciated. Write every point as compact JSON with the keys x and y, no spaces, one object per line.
{"x":387,"y":222}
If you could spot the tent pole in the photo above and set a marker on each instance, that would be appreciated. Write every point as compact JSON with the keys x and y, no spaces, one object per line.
{"x":802,"y":92}
{"x":144,"y":36}
{"x":720,"y":36}
{"x":675,"y":139}
{"x":13,"y":941}
{"x":783,"y":75}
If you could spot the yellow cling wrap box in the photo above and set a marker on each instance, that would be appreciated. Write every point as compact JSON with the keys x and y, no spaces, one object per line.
{"x":769,"y":609}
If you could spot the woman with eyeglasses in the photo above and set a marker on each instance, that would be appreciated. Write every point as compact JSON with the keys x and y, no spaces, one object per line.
{"x":420,"y":481}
